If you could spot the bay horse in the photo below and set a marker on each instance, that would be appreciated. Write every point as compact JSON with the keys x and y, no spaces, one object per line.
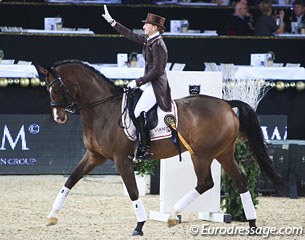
{"x":208,"y":124}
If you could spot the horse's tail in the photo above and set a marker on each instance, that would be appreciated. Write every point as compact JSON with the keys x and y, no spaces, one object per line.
{"x":249,"y":126}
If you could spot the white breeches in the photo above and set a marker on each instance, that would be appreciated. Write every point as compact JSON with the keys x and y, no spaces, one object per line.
{"x":146,"y":101}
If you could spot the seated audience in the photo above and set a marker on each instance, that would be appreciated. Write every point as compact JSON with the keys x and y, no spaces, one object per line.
{"x":240,"y":23}
{"x":266,"y":22}
{"x":298,"y":15}
{"x":249,"y":2}
{"x":218,"y":2}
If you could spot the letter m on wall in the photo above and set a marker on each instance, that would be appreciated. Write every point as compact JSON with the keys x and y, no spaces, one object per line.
{"x":7,"y":137}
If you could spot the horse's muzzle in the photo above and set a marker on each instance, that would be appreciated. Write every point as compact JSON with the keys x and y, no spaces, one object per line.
{"x":60,"y":115}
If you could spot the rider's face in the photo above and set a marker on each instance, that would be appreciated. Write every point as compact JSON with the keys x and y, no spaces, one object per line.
{"x":149,"y":29}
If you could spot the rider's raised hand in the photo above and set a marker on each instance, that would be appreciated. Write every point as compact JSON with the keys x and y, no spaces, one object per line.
{"x":106,"y":15}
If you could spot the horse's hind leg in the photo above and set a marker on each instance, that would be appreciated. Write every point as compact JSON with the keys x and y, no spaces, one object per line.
{"x":204,"y":183}
{"x":231,"y":168}
{"x":84,"y":167}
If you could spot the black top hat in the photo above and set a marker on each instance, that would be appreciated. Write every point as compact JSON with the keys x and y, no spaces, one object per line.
{"x":155,"y":20}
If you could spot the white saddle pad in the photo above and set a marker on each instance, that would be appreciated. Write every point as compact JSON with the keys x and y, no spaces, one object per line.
{"x":161,"y":131}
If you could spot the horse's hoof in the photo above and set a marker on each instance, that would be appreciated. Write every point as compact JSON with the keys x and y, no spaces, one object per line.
{"x":253,"y":227}
{"x":252,"y":231}
{"x":137,"y":233}
{"x":51,"y":221}
{"x":172,"y":222}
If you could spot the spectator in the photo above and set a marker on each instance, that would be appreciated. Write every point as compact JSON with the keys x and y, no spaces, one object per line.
{"x":298,"y":15}
{"x":249,"y":2}
{"x":240,"y":22}
{"x":218,"y":2}
{"x":266,"y":22}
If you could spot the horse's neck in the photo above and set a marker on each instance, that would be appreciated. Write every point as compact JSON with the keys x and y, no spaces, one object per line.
{"x":100,"y":108}
{"x":93,"y":92}
{"x":100,"y":124}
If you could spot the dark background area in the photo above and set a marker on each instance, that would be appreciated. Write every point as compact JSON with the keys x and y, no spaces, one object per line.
{"x":104,"y":46}
{"x":31,"y":15}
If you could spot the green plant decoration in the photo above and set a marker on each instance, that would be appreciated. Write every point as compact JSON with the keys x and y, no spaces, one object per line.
{"x":231,"y":201}
{"x":146,"y":167}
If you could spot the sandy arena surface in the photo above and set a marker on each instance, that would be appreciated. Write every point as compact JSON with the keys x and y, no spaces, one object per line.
{"x":97,"y":209}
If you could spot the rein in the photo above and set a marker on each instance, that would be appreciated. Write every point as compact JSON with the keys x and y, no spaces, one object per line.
{"x":70,"y":104}
{"x":93,"y":104}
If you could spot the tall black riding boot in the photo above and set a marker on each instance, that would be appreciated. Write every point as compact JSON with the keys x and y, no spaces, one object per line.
{"x":143,"y":148}
{"x":138,"y":143}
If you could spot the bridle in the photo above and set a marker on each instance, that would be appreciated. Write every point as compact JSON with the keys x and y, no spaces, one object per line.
{"x":69,"y":103}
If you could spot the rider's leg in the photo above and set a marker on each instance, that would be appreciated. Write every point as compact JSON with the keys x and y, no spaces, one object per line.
{"x":143,"y":150}
{"x":146,"y":102}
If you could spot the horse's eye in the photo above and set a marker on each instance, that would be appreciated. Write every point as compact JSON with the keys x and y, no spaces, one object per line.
{"x":54,"y":90}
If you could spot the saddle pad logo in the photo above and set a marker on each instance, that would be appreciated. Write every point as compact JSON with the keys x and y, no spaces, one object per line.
{"x":161,"y":131}
{"x":194,"y":89}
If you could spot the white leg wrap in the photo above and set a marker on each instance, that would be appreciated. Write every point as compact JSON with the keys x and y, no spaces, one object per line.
{"x":59,"y":201}
{"x":186,"y":200}
{"x":139,"y":210}
{"x":248,"y":206}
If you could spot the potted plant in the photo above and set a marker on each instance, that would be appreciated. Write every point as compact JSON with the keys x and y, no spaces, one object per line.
{"x":146,"y":167}
{"x":142,"y":170}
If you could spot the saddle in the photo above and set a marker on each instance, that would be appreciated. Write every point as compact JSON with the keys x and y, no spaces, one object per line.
{"x":133,"y":96}
{"x":160,"y":123}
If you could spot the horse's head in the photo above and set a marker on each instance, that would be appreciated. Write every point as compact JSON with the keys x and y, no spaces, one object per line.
{"x":61,"y":100}
{"x":74,"y":85}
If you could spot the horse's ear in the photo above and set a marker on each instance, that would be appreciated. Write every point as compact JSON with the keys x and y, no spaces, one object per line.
{"x":41,"y":70}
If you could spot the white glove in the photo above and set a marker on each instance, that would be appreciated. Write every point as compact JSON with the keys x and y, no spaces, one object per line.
{"x":106,"y":15}
{"x":132,"y":84}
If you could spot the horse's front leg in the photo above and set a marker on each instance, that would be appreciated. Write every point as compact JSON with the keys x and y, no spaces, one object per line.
{"x":87,"y":164}
{"x":126,"y":170}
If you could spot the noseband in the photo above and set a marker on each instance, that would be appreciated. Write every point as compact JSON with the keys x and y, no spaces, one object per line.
{"x":69,"y":103}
